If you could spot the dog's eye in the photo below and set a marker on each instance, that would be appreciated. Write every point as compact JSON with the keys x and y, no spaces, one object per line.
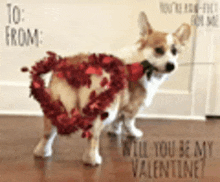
{"x":174,"y":50}
{"x":159,"y":50}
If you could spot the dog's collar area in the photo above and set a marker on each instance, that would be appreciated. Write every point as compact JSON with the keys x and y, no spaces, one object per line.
{"x":148,"y":68}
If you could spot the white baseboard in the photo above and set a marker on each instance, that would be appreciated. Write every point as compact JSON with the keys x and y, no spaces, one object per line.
{"x":142,"y":116}
{"x":15,"y":99}
{"x":172,"y":117}
{"x":21,"y":113}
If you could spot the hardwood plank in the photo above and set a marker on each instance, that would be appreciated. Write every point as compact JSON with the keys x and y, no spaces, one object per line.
{"x":20,"y":134}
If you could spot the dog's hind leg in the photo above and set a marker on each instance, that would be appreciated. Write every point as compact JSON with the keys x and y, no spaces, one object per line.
{"x":60,"y":90}
{"x":91,"y":155}
{"x":44,"y":147}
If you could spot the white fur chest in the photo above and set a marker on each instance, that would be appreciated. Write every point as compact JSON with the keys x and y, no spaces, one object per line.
{"x":152,"y":86}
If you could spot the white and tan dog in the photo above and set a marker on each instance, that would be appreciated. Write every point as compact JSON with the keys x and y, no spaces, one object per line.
{"x":159,"y":49}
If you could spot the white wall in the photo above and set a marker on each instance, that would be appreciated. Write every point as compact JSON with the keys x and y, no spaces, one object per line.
{"x":68,"y":27}
{"x":65,"y":28}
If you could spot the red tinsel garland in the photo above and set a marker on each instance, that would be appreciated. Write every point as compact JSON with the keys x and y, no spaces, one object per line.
{"x":78,"y":76}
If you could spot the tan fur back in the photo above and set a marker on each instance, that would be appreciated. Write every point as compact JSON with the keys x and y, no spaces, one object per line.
{"x":78,"y":98}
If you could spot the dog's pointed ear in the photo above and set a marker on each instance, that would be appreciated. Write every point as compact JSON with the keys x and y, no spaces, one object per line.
{"x":183,"y":33}
{"x":144,"y":25}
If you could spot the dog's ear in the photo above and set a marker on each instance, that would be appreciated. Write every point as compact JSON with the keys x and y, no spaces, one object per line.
{"x":183,"y":33}
{"x":144,"y":25}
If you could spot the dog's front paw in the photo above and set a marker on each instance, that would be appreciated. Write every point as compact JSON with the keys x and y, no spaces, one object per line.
{"x":132,"y":131}
{"x":43,"y":149}
{"x":92,"y":157}
{"x":114,"y":129}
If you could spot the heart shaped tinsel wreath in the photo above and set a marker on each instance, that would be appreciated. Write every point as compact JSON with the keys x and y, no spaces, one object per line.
{"x":78,"y":76}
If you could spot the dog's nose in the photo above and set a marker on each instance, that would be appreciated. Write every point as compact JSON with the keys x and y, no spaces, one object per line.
{"x":170,"y":67}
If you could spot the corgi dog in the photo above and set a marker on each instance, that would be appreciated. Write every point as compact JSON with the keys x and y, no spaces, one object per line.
{"x":158,"y":49}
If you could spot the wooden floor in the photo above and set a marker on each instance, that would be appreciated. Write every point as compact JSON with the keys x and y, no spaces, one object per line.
{"x":19,"y":135}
